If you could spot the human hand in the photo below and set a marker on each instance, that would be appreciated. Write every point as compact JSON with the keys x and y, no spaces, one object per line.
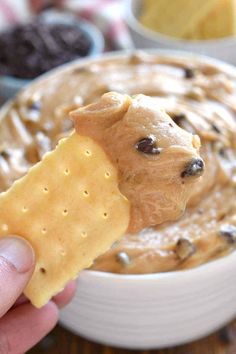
{"x":21,"y":324}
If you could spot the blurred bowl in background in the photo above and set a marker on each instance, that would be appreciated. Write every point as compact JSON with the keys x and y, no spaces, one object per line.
{"x":143,"y":37}
{"x":10,"y":85}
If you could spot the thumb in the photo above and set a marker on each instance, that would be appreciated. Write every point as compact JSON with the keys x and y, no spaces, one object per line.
{"x":16,"y":268}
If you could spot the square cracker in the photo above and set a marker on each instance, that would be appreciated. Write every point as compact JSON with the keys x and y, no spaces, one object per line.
{"x":69,"y":208}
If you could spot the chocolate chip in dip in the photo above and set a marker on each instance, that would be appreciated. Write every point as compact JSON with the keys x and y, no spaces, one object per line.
{"x":123,"y":258}
{"x":228,"y":232}
{"x":189,"y":73}
{"x":184,"y":249}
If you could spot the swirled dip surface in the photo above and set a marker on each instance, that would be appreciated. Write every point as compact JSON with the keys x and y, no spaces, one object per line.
{"x":199,"y":96}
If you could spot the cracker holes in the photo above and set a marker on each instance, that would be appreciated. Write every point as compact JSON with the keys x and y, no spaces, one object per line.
{"x":45,"y":190}
{"x":24,"y":209}
{"x":107,"y":174}
{"x":63,"y":253}
{"x":65,"y":212}
{"x":44,"y":230}
{"x":88,"y":153}
{"x":66,"y":171}
{"x":5,"y":227}
{"x":83,"y":234}
{"x":86,"y":193}
{"x":105,"y":215}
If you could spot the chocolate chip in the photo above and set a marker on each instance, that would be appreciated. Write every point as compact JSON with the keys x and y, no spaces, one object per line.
{"x":34,"y":111}
{"x":43,"y":270}
{"x":221,"y":152}
{"x":189,"y":73}
{"x":184,"y":248}
{"x":35,"y":105}
{"x":123,"y":258}
{"x":5,"y":154}
{"x":178,"y":118}
{"x":219,"y":148}
{"x":227,"y":335}
{"x":194,"y":168}
{"x":215,"y":128}
{"x":148,"y":145}
{"x":228,"y":232}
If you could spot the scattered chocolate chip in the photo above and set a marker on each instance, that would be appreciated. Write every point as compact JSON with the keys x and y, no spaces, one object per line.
{"x":148,"y":145}
{"x":184,"y":248}
{"x":189,"y":73}
{"x":5,"y":154}
{"x":43,"y":270}
{"x":228,"y":232}
{"x":194,"y":168}
{"x":123,"y":258}
{"x":221,"y":152}
{"x":35,"y":106}
{"x":227,"y":335}
{"x":219,"y":148}
{"x":178,"y":118}
{"x":34,"y":111}
{"x":215,"y":128}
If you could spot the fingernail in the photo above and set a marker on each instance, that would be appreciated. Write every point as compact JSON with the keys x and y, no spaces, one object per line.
{"x":18,"y":252}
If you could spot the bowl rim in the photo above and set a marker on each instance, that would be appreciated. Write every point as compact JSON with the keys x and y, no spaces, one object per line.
{"x":208,"y":266}
{"x":136,"y":25}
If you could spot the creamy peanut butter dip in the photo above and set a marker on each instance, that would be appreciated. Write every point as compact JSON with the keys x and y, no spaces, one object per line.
{"x":199,"y":96}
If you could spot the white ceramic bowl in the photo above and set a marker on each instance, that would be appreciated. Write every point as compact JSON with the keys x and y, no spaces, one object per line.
{"x":224,"y":48}
{"x":154,"y":310}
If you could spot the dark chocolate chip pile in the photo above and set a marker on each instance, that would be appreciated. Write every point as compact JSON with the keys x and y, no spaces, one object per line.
{"x":29,"y":50}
